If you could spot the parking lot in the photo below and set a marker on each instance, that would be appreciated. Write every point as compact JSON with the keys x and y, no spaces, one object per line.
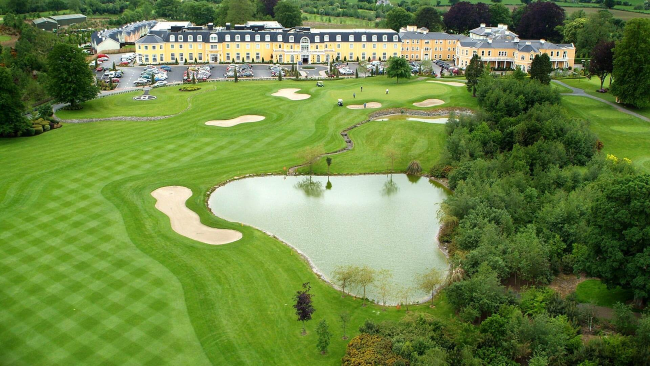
{"x":132,"y":73}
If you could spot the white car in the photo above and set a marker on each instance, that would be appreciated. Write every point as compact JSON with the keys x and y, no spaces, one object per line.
{"x":159,"y":84}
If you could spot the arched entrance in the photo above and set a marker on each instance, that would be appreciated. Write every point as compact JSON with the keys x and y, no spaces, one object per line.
{"x":304,"y":50}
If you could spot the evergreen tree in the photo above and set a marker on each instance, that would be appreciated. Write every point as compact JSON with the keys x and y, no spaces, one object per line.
{"x":12,"y":120}
{"x":473,"y":73}
{"x":631,"y":67}
{"x":324,"y":336}
{"x":540,"y":69}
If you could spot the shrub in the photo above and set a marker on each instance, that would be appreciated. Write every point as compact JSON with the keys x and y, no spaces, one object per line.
{"x":29,"y":132}
{"x":38,"y":129}
{"x":190,"y":88}
{"x":440,"y":170}
{"x":414,"y":168}
{"x":46,"y":127}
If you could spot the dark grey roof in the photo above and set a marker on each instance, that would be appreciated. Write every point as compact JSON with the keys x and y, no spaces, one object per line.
{"x":115,"y":33}
{"x":150,"y":38}
{"x":430,"y":35}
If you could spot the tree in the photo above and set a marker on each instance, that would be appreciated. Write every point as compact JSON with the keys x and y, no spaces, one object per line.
{"x":429,"y":281}
{"x":303,"y":306}
{"x":392,"y":155}
{"x":572,"y":29}
{"x":310,"y":155}
{"x":345,"y":276}
{"x":464,"y":16}
{"x":540,"y":20}
{"x":429,"y":18}
{"x":540,"y":69}
{"x":167,"y":8}
{"x":596,"y":28}
{"x":397,"y":18}
{"x":426,"y":66}
{"x":70,"y":79}
{"x":12,"y":120}
{"x":269,"y":5}
{"x":500,"y":14}
{"x":364,"y":278}
{"x":405,"y":294}
{"x":324,"y":336}
{"x":328,"y":160}
{"x":344,"y":318}
{"x":631,"y":68}
{"x":384,"y":284}
{"x":398,"y":67}
{"x":609,"y":3}
{"x":363,"y":65}
{"x":235,"y":12}
{"x":235,"y":74}
{"x":602,"y":61}
{"x":288,"y":14}
{"x":198,"y":12}
{"x":619,"y":238}
{"x":473,"y":72}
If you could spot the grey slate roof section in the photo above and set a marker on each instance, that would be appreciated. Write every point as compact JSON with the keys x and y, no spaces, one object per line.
{"x":430,"y":35}
{"x":149,"y":39}
{"x":116,"y":33}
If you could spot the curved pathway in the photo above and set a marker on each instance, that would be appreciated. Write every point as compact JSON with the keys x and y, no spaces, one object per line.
{"x":349,"y":144}
{"x":581,"y":93}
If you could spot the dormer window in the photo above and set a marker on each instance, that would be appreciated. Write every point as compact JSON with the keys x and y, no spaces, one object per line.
{"x":384,"y":38}
{"x":363,"y":38}
{"x":237,"y":38}
{"x":279,"y":37}
{"x":199,"y":38}
{"x":214,"y":38}
{"x":227,"y":37}
{"x":172,"y":38}
{"x":338,"y":38}
{"x":267,"y":38}
{"x":317,"y":39}
{"x":190,"y":38}
{"x":180,"y":38}
{"x":247,"y":38}
{"x":395,"y":38}
{"x":374,"y":38}
{"x":351,"y":38}
{"x":290,"y":38}
{"x":326,"y":38}
{"x":257,"y":38}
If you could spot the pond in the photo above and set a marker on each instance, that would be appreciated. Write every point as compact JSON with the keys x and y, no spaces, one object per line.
{"x":384,"y":222}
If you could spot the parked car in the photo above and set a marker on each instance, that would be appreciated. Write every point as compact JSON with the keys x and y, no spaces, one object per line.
{"x":166,"y":68}
{"x":99,"y":69}
{"x":160,"y":77}
{"x":141,"y":82}
{"x":115,"y":80}
{"x":124,"y":63}
{"x":159,"y":84}
{"x":99,"y":55}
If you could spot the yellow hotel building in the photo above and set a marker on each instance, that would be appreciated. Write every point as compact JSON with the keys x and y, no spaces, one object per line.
{"x":269,"y":41}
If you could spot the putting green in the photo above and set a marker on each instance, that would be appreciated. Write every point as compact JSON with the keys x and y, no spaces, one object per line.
{"x":94,"y":273}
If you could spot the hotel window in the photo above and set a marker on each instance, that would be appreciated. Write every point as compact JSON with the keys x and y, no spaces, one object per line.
{"x":363,"y":38}
{"x":199,"y":38}
{"x":363,"y":45}
{"x":248,"y":46}
{"x":153,"y":47}
{"x":248,"y":56}
{"x":257,"y":46}
{"x":162,"y":46}
{"x":214,"y":46}
{"x":338,"y":55}
{"x":257,"y":56}
{"x":351,"y":45}
{"x":564,"y":54}
{"x":290,"y":38}
{"x":172,"y":38}
{"x":237,"y":45}
{"x":200,"y":46}
{"x":489,"y":53}
{"x":385,"y":46}
{"x":384,"y":38}
{"x":395,"y":38}
{"x":374,"y":45}
{"x":247,"y":38}
{"x":227,"y":37}
{"x":154,"y":59}
{"x":191,"y":57}
{"x":173,"y":57}
{"x":162,"y":58}
{"x":267,"y":38}
{"x":139,"y":47}
{"x":394,"y":45}
{"x":374,"y":55}
{"x":338,"y":38}
{"x":338,"y":45}
{"x":190,"y":38}
{"x":257,"y":38}
{"x":326,"y":38}
{"x":268,"y":46}
{"x":146,"y":48}
{"x":214,"y":38}
{"x":191,"y":46}
{"x":351,"y":38}
{"x":482,"y":53}
{"x":237,"y":38}
{"x":351,"y":55}
{"x":279,"y":37}
{"x":200,"y":57}
{"x":522,"y":57}
{"x":146,"y":59}
{"x":374,"y":38}
{"x":317,"y":39}
{"x":363,"y":55}
{"x":228,"y":45}
{"x":227,"y":56}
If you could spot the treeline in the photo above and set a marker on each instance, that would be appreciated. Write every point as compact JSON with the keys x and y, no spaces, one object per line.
{"x":533,"y":197}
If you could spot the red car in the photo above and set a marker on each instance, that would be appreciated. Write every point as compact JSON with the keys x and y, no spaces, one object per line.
{"x":124,"y":63}
{"x":102,"y":55}
{"x":99,"y":69}
{"x":116,"y":81}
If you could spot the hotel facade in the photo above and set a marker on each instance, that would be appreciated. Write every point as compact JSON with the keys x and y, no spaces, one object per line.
{"x":268,"y":41}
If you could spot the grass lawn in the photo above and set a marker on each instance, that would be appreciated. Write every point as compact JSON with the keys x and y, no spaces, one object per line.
{"x":4,"y":38}
{"x":621,"y":134}
{"x":560,"y":88}
{"x":596,"y":292}
{"x":93,"y":273}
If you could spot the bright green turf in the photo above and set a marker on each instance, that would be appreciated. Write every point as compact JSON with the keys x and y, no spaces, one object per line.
{"x":590,"y":87}
{"x":93,"y":274}
{"x":596,"y":292}
{"x":622,"y":135}
{"x":168,"y":101}
{"x":560,"y":88}
{"x":4,"y":38}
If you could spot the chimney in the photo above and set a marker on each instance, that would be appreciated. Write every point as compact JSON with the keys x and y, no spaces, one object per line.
{"x":489,"y":40}
{"x":482,"y":25}
{"x":210,"y":26}
{"x":227,"y":26}
{"x":542,"y":41}
{"x":527,"y":43}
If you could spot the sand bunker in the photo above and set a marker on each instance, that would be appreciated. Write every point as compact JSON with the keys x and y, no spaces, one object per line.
{"x":429,"y":103}
{"x":368,"y":105}
{"x":291,"y":94}
{"x":429,"y":120}
{"x":235,"y":121}
{"x":451,"y":83}
{"x":171,"y":202}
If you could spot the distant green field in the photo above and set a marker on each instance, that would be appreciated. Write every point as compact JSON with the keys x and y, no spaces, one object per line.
{"x":594,"y":291}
